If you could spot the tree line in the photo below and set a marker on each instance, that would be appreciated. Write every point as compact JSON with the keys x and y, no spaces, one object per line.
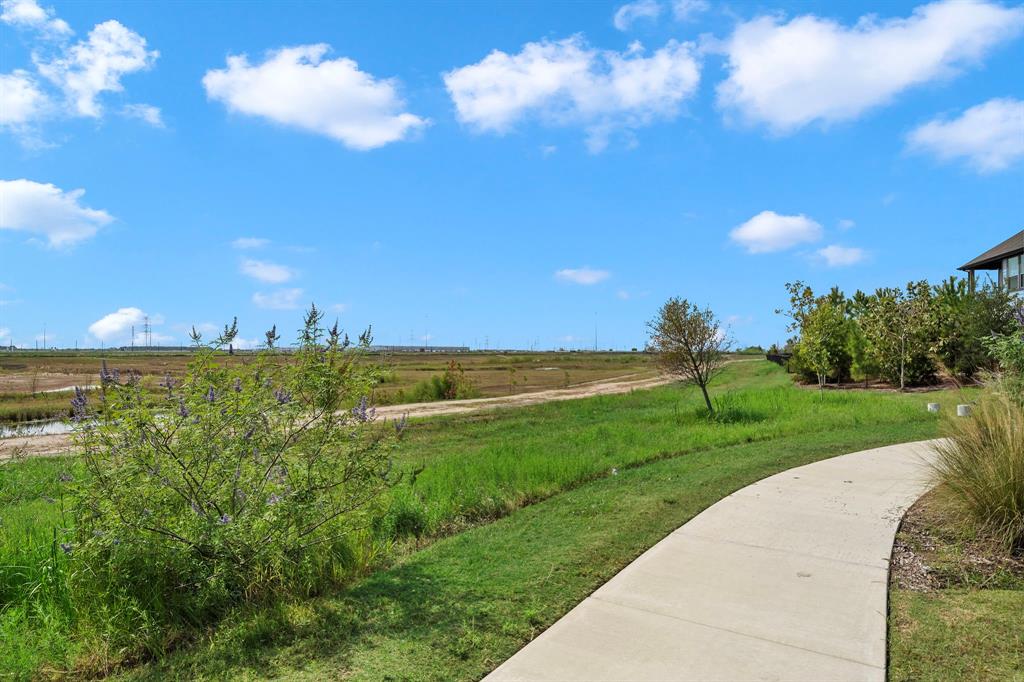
{"x":904,"y":336}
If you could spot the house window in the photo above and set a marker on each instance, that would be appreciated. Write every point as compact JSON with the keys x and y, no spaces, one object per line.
{"x":1011,"y":268}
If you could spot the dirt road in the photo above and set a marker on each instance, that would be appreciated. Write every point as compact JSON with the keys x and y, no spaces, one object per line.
{"x":60,"y":444}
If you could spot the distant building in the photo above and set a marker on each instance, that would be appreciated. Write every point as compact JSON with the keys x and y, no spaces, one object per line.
{"x":419,"y":349}
{"x":1007,"y":259}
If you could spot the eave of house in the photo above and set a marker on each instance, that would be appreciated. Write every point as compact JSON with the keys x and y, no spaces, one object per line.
{"x":991,"y":259}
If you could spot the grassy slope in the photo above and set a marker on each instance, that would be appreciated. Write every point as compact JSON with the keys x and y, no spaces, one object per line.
{"x":462,"y":605}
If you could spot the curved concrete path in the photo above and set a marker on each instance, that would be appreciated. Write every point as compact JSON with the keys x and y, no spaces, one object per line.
{"x":785,"y":579}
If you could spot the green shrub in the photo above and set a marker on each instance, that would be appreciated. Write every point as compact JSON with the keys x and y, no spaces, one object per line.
{"x":980,"y":467}
{"x":243,"y":483}
{"x":452,"y":385}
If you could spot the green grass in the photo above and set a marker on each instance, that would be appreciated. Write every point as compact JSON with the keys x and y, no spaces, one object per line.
{"x":958,"y":634}
{"x":456,"y":609}
{"x":562,"y":524}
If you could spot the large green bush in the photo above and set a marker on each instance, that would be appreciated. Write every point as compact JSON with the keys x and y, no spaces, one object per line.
{"x":243,"y":482}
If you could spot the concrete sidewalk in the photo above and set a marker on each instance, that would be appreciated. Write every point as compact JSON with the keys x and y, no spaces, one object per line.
{"x":785,"y":579}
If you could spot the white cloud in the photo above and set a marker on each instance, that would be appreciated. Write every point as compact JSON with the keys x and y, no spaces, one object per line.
{"x":28,"y":14}
{"x":339,"y":307}
{"x":835,"y":255}
{"x":282,"y":299}
{"x":23,"y":101}
{"x":584,"y":275}
{"x":117,"y":324}
{"x":846,"y":224}
{"x":144,"y":112}
{"x":96,"y":65}
{"x":630,"y":12}
{"x":768,"y":231}
{"x":5,"y":333}
{"x":296,"y":86}
{"x":49,"y":211}
{"x":808,"y":69}
{"x":622,"y":295}
{"x":989,"y":136}
{"x":271,"y":273}
{"x":249,"y":243}
{"x":570,"y":83}
{"x":687,"y":10}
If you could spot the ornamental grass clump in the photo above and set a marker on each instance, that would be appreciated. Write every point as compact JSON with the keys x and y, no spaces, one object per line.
{"x":981,"y":465}
{"x":980,"y":468}
{"x":241,"y":484}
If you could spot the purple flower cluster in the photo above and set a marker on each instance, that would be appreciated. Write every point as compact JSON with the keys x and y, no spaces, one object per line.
{"x":211,"y":395}
{"x":169,"y":384}
{"x":283,"y":396}
{"x":107,"y":376}
{"x":363,"y":412}
{"x":400,"y":424}
{"x":78,"y":405}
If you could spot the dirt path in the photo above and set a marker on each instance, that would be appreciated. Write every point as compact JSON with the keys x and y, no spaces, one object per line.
{"x":59,"y":444}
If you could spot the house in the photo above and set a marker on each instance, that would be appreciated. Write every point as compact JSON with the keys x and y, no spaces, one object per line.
{"x":1006,"y":259}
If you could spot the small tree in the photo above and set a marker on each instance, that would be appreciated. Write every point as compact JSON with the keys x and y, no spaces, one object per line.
{"x":896,"y":325}
{"x":821,"y":340}
{"x":690,"y":343}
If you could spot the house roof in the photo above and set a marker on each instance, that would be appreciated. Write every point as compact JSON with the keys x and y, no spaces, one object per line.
{"x":990,"y":259}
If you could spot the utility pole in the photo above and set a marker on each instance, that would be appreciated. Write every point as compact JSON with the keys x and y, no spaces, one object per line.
{"x":133,"y":337}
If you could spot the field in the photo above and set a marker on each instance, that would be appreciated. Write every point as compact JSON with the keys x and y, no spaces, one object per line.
{"x":31,"y":382}
{"x":514,"y":517}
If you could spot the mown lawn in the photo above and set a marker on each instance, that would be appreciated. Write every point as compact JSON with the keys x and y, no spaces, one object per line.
{"x":501,"y":524}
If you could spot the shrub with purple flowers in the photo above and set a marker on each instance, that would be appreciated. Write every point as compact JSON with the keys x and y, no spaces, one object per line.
{"x":243,"y":482}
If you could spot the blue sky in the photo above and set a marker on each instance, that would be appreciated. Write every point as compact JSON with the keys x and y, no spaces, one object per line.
{"x":504,"y":173}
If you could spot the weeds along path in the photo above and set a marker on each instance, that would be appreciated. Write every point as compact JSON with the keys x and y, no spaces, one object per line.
{"x":59,"y":444}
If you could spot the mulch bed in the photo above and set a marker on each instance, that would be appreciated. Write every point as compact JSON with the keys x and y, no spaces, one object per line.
{"x":930,"y":553}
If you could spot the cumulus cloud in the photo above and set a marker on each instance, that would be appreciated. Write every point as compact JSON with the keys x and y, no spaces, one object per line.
{"x":585,"y":275}
{"x":144,"y":112}
{"x":836,"y":256}
{"x":846,"y":224}
{"x":117,"y":324}
{"x":282,"y":299}
{"x":297,"y":87}
{"x":568,"y":82}
{"x":97,"y":64}
{"x":27,"y":14}
{"x":789,"y":74}
{"x":989,"y":136}
{"x":630,"y":12}
{"x":47,"y":210}
{"x":687,"y":10}
{"x":768,"y":232}
{"x":5,"y":333}
{"x":272,"y":273}
{"x":339,"y":307}
{"x":23,"y":101}
{"x":249,"y":243}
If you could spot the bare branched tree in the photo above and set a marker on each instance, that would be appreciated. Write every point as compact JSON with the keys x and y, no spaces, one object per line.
{"x":690,"y":342}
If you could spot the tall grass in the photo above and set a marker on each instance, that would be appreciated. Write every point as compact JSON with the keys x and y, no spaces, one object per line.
{"x":980,"y":468}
